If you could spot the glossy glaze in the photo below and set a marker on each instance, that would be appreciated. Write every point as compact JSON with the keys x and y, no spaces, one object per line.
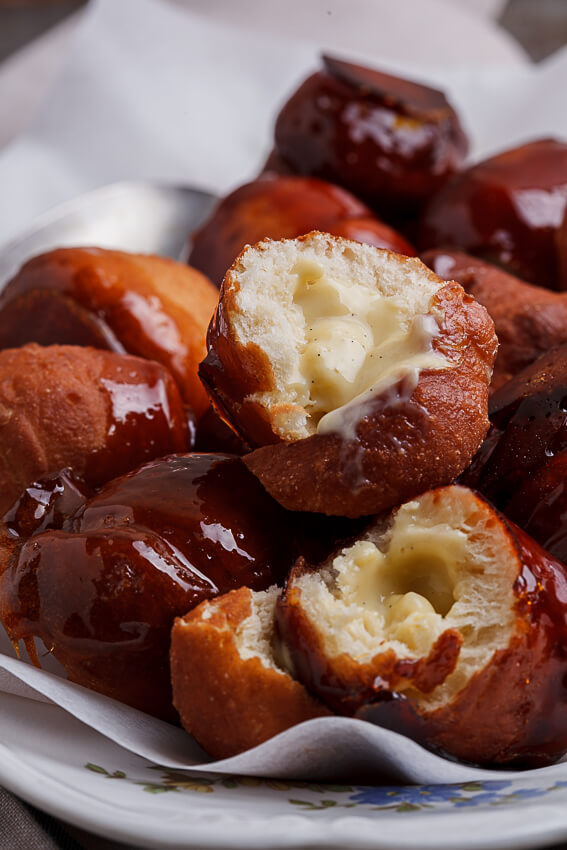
{"x":529,"y":427}
{"x":46,"y":504}
{"x":283,"y":208}
{"x":148,"y":547}
{"x":390,"y":141}
{"x":505,"y":210}
{"x":146,"y":420}
{"x":148,"y":306}
{"x":98,"y":412}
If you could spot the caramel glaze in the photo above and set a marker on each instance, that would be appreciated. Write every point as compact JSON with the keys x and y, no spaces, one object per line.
{"x":529,"y":427}
{"x":285,"y":207}
{"x":102,"y":590}
{"x":512,"y":713}
{"x":539,"y":506}
{"x":507,"y":210}
{"x":146,"y":420}
{"x":46,"y":504}
{"x":347,"y":116}
{"x":144,"y":305}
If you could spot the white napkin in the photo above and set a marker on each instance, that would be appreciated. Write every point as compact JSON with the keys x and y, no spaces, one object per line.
{"x":188,"y":92}
{"x":328,"y":748}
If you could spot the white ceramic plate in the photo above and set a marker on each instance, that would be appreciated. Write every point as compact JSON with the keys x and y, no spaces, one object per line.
{"x":55,"y":762}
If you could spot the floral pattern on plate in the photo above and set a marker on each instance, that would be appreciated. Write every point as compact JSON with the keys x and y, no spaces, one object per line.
{"x":318,"y":797}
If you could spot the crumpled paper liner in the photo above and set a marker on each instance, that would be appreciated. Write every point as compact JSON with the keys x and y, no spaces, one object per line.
{"x":325,"y":749}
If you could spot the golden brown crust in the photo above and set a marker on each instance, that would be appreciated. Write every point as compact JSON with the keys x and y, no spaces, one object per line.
{"x":57,"y":410}
{"x":529,"y":320}
{"x":146,"y":305}
{"x":228,"y":703}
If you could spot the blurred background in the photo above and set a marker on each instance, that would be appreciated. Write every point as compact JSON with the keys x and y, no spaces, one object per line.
{"x":539,"y":25}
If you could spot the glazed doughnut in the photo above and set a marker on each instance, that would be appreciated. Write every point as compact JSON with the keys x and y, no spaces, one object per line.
{"x":283,"y":208}
{"x":359,"y":376}
{"x":389,"y":141}
{"x":230,"y":690}
{"x":522,"y":464}
{"x":101,"y":413}
{"x":506,"y":210}
{"x":102,"y":587}
{"x":442,"y":622}
{"x":144,"y":305}
{"x":529,"y":320}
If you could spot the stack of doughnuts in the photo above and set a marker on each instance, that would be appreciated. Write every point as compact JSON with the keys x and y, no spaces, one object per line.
{"x":276,"y":496}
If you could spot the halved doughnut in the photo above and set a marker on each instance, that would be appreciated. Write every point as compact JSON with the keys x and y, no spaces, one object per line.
{"x":443,"y":622}
{"x":230,"y":691}
{"x":359,"y":375}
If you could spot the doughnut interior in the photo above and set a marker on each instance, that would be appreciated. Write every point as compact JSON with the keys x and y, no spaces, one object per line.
{"x":337,"y":325}
{"x":442,"y":564}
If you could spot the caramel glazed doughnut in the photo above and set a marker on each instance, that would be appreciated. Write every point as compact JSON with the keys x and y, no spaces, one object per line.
{"x":358,"y":376}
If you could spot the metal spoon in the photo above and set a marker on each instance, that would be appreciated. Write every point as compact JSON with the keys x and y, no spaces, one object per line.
{"x":140,"y":217}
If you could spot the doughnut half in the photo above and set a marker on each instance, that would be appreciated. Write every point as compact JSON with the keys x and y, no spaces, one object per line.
{"x":443,"y":622}
{"x":228,"y":688}
{"x":359,"y":376}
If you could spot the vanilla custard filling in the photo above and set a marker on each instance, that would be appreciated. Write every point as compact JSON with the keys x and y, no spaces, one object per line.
{"x":401,"y":595}
{"x":402,"y":589}
{"x":339,"y":323}
{"x":358,"y":342}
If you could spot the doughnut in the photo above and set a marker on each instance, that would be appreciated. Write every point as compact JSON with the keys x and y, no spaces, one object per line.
{"x":443,"y":622}
{"x":230,"y":689}
{"x":101,"y":413}
{"x":102,"y":586}
{"x":144,"y":305}
{"x":505,"y":210}
{"x":391,"y":142}
{"x":358,"y":376}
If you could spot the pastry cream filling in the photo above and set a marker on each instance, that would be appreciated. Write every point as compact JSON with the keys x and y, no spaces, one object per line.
{"x":358,"y":343}
{"x":444,"y":562}
{"x":404,"y":594}
{"x":401,"y":594}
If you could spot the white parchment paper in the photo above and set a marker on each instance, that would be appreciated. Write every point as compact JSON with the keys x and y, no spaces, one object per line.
{"x":328,"y":748}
